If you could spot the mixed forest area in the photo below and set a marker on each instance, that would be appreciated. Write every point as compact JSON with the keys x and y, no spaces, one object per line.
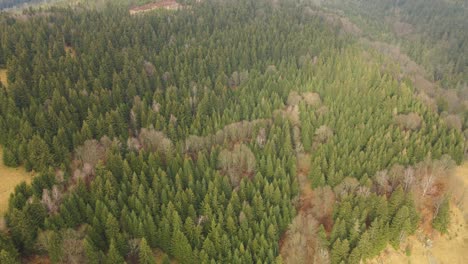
{"x":242,"y":131}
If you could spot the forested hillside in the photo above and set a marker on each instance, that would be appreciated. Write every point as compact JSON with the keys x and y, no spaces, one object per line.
{"x":432,"y":32}
{"x":11,"y":3}
{"x":189,"y":131}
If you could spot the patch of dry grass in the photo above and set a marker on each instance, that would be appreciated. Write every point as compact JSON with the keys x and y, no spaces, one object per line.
{"x":3,"y":77}
{"x":9,"y":178}
{"x":70,"y":50}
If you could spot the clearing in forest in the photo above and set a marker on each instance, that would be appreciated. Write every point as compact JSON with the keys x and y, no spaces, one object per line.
{"x":9,"y":178}
{"x":70,"y":50}
{"x":3,"y":77}
{"x":165,"y":4}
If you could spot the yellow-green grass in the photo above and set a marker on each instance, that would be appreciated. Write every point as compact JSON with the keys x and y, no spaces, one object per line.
{"x":9,"y":178}
{"x":3,"y":77}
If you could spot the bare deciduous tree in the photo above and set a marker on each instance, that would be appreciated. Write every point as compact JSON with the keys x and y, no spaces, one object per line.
{"x":243,"y":76}
{"x":234,"y":133}
{"x":261,"y":137}
{"x":411,"y":121}
{"x":234,"y":80}
{"x":294,"y":98}
{"x":408,"y":178}
{"x":91,"y":152}
{"x":73,"y":249}
{"x":301,"y":239}
{"x":454,"y":121}
{"x":155,"y":141}
{"x":312,"y":99}
{"x":323,"y":133}
{"x":237,"y":163}
{"x":381,"y":182}
{"x":149,"y":68}
{"x":322,"y":205}
{"x":395,"y":176}
{"x":346,"y":187}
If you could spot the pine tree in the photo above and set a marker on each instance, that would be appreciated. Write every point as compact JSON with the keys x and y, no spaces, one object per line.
{"x":54,"y":247}
{"x":145,"y":255}
{"x":39,"y":155}
{"x":340,"y":251}
{"x":7,"y":258}
{"x":113,"y":256}
{"x":442,"y":219}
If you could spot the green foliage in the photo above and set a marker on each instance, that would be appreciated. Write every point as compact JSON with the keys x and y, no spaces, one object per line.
{"x":8,"y":252}
{"x":54,"y":247}
{"x":23,"y":231}
{"x":113,"y":256}
{"x":9,"y":158}
{"x":425,"y":29}
{"x":7,"y":258}
{"x":150,"y":108}
{"x":145,"y":255}
{"x":442,"y":218}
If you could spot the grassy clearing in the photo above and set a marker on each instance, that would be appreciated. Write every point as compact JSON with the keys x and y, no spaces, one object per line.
{"x":9,"y":178}
{"x":3,"y":77}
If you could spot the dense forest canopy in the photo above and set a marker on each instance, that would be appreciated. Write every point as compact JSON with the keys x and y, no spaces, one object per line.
{"x":188,"y":131}
{"x":12,"y":3}
{"x":432,"y":32}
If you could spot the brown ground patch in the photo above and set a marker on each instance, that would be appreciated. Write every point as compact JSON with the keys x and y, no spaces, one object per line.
{"x":3,"y":77}
{"x":9,"y":178}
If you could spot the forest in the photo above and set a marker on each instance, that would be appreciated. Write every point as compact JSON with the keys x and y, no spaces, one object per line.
{"x":195,"y":132}
{"x":12,"y":3}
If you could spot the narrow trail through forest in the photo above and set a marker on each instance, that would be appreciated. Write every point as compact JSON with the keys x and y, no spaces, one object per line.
{"x":304,"y":182}
{"x":295,"y":239}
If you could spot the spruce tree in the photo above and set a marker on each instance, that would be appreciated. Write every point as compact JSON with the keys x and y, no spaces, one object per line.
{"x":145,"y":255}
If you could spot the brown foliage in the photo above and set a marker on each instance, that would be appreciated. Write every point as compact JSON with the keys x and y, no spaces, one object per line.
{"x":301,"y":242}
{"x":237,"y":163}
{"x":411,"y":121}
{"x":90,"y":152}
{"x":294,"y":98}
{"x":151,"y":140}
{"x":149,"y":68}
{"x":347,"y":187}
{"x":322,"y":206}
{"x":51,"y":199}
{"x":72,"y":245}
{"x":88,"y":155}
{"x":453,"y":121}
{"x":322,"y":134}
{"x":235,"y":133}
{"x":237,"y":78}
{"x":312,"y":99}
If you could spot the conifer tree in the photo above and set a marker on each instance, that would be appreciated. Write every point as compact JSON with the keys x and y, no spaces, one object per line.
{"x":145,"y":255}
